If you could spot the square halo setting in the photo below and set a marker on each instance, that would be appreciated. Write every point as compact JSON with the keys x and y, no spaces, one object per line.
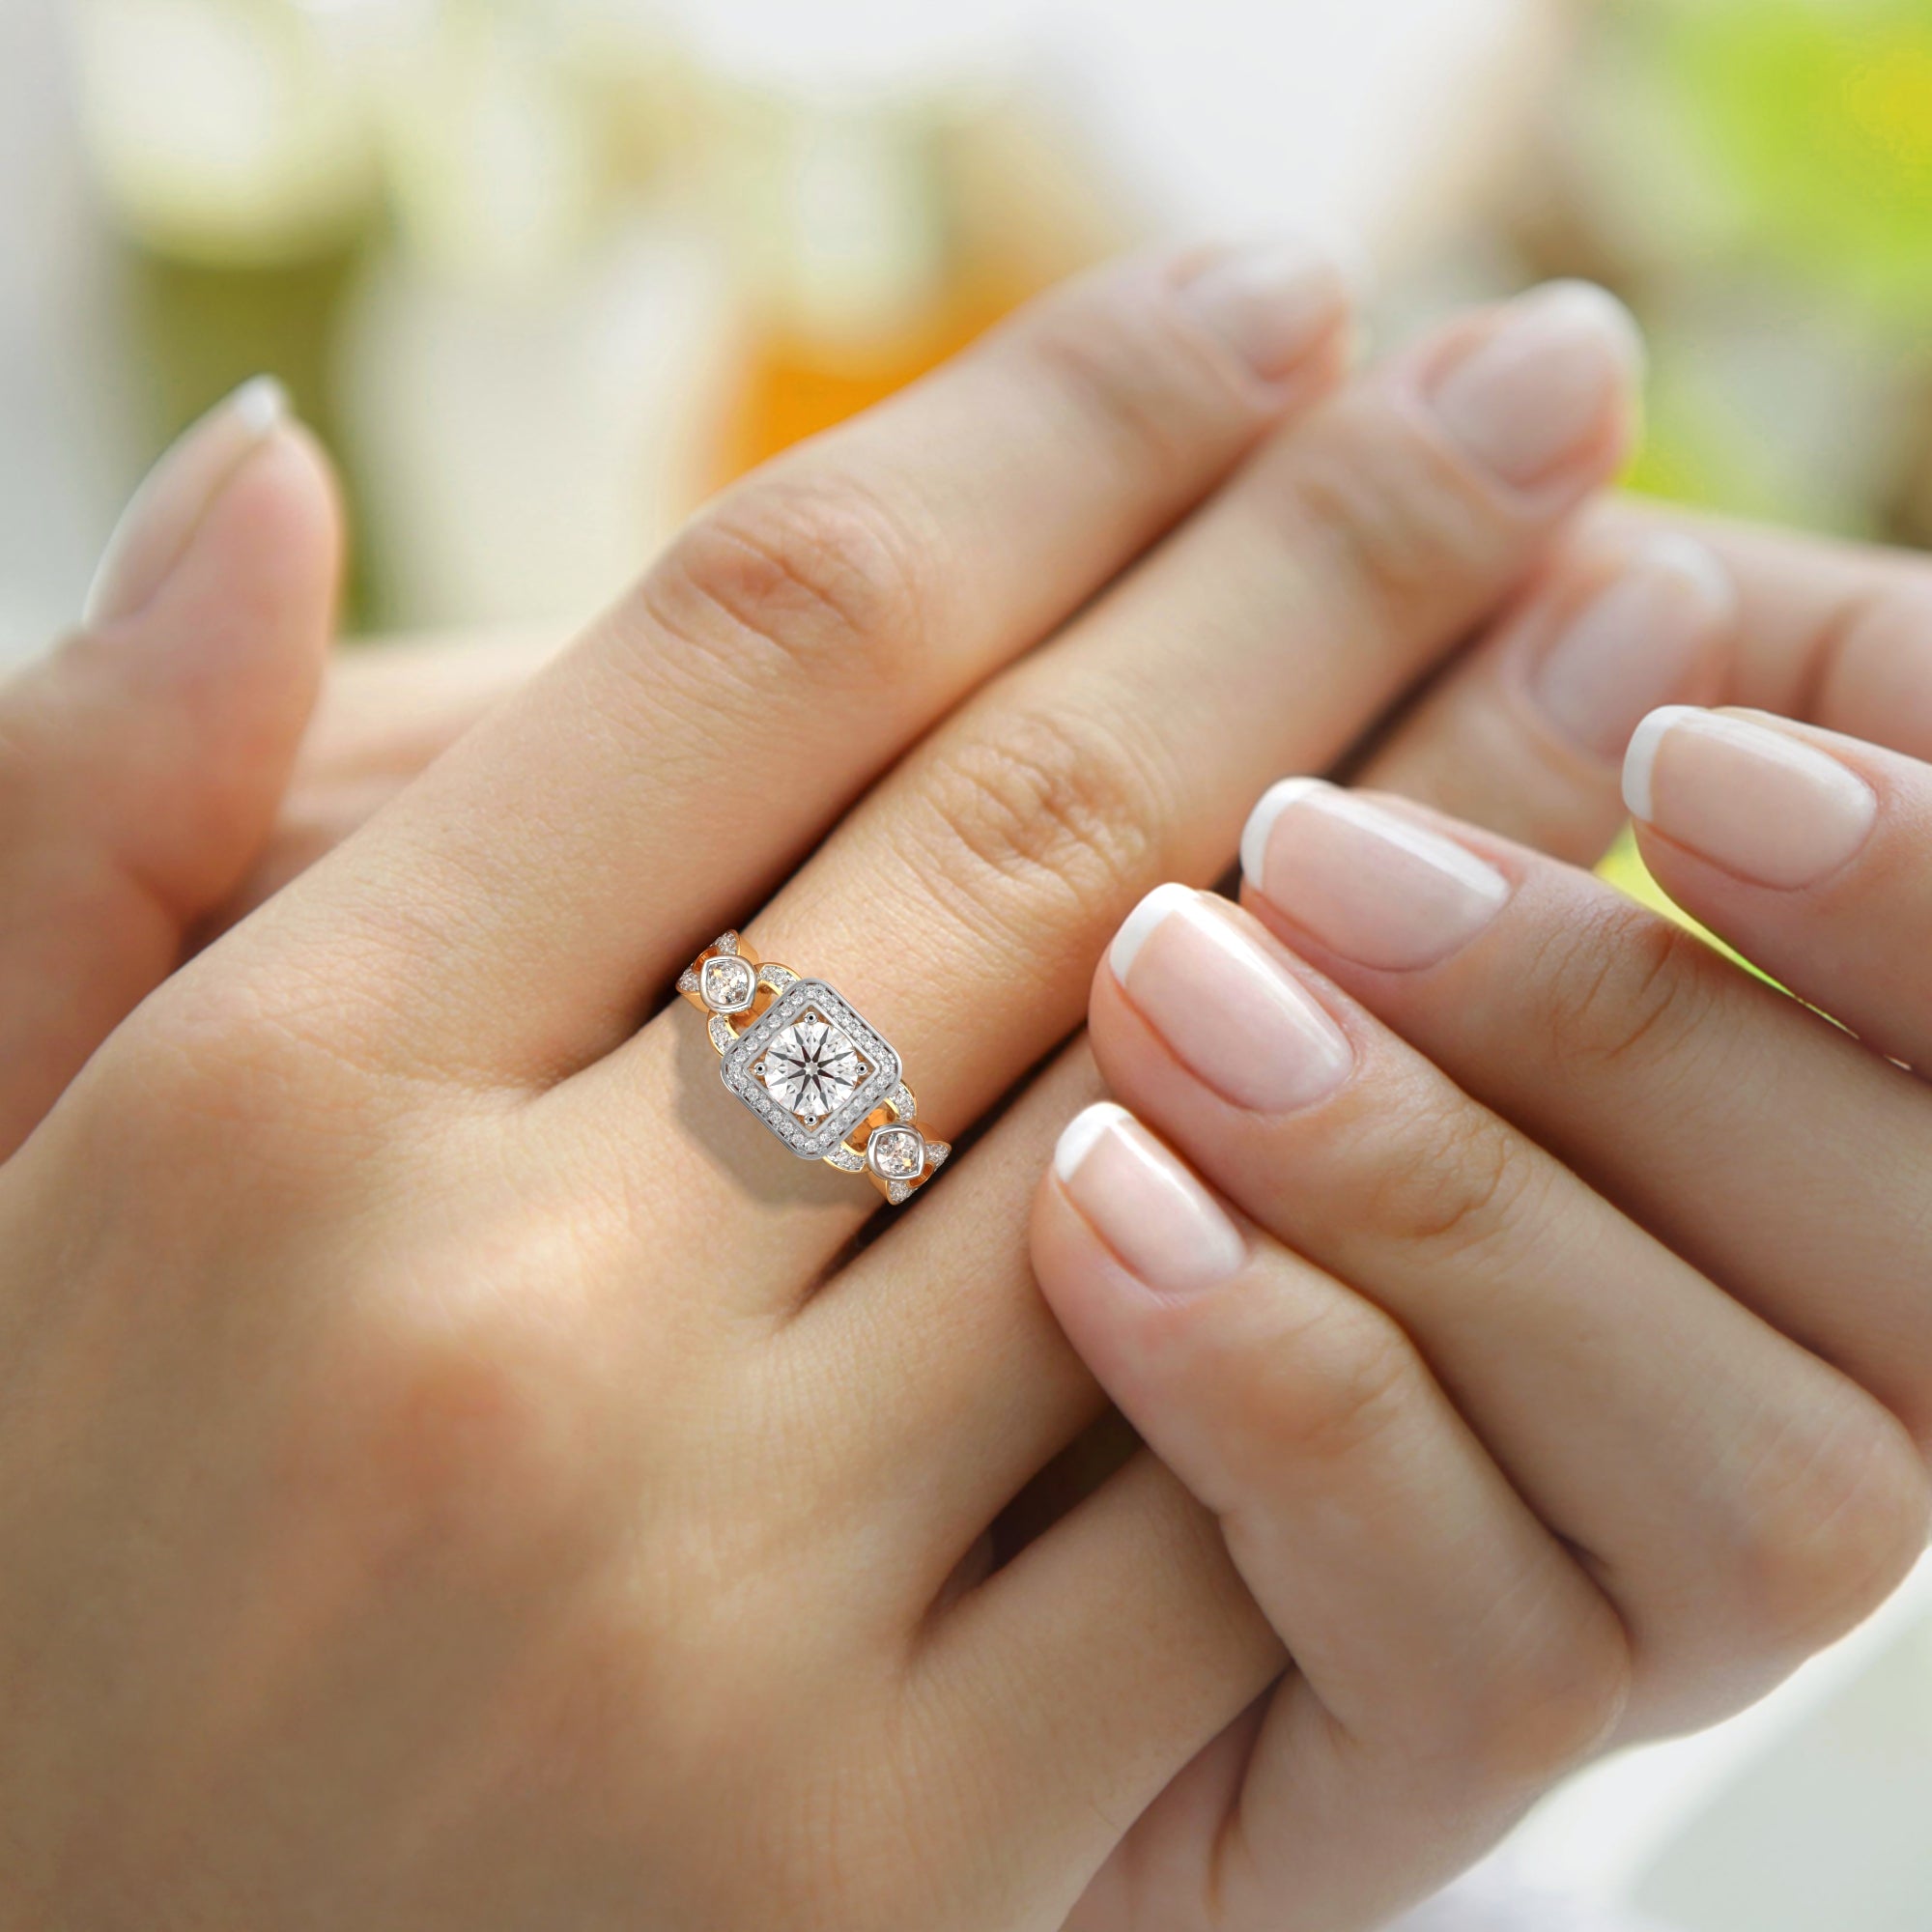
{"x":811,"y":1068}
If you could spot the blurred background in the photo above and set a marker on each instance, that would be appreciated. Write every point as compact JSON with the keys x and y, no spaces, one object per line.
{"x":545,"y":272}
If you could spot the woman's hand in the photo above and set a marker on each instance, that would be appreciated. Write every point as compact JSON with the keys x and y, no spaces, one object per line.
{"x":453,"y":1468}
{"x":1540,"y":1302}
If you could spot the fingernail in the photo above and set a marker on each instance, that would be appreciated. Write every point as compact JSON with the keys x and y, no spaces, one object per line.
{"x":1538,"y":389}
{"x":1638,"y":642}
{"x":1376,"y":888}
{"x":1227,"y":1009}
{"x":1758,"y":801}
{"x":1270,"y":303}
{"x":160,"y":522}
{"x":1162,"y":1225}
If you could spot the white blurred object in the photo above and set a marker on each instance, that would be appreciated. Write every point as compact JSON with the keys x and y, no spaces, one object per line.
{"x":226,"y":131}
{"x":491,"y":168}
{"x":525,"y":455}
{"x":1370,"y":122}
{"x":1373,"y":124}
{"x":1810,"y":1812}
{"x":833,"y":211}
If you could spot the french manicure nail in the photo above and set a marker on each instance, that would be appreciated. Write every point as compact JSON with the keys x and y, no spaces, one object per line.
{"x":1640,"y":641}
{"x":1162,"y":1225}
{"x":1224,"y":1006}
{"x":1537,"y":389}
{"x":159,"y":522}
{"x":1758,"y":801}
{"x":1370,"y":885}
{"x":1271,"y":303}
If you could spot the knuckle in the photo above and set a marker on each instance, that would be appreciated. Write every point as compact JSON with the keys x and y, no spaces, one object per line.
{"x":1564,"y":1682}
{"x":1864,"y":680}
{"x":1832,"y":1515}
{"x":1622,"y":989}
{"x":1385,"y":520}
{"x":1137,"y":384}
{"x":1330,"y":1388}
{"x":1046,"y":804}
{"x":816,"y":570}
{"x":1453,"y":1185}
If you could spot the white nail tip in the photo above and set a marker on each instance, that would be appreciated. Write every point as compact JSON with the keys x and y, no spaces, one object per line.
{"x":260,"y":406}
{"x":1140,"y":921}
{"x":1260,"y":822}
{"x":1078,"y":1137}
{"x":1640,"y":759}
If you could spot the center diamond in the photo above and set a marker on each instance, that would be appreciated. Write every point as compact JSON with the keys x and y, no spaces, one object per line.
{"x":812,"y":1068}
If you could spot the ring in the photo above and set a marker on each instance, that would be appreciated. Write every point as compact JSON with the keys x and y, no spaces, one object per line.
{"x":822,"y":1080}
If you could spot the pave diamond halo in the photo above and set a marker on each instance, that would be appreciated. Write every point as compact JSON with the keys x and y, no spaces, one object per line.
{"x":811,"y":1068}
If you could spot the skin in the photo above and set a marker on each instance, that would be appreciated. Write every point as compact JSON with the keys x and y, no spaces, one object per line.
{"x":1541,"y":1276}
{"x":499,"y":1615}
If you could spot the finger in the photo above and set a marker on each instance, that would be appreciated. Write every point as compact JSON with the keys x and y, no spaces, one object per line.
{"x":1723,"y":1481}
{"x":565,"y":858}
{"x":1526,"y":735}
{"x":971,"y":892}
{"x":1836,"y":634}
{"x":1768,"y":1149}
{"x":1112,"y":1649}
{"x":1450,"y":1658}
{"x":1810,"y":852}
{"x":143,"y":760}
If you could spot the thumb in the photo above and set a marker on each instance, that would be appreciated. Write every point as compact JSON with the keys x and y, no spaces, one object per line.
{"x":142,"y":762}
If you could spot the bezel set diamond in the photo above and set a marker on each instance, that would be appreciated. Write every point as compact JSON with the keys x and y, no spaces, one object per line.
{"x":867,"y":1132}
{"x":727,"y":983}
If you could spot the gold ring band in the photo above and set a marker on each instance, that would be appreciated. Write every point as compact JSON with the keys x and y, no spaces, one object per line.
{"x":822,"y":1079}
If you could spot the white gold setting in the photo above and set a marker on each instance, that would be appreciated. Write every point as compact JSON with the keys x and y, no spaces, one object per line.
{"x":809,"y":1047}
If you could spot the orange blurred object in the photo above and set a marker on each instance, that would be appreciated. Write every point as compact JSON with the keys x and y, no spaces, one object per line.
{"x":793,"y":388}
{"x":878,"y":242}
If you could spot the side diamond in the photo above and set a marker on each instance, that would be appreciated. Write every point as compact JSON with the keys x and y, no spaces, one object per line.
{"x":726,"y":983}
{"x":896,"y":1153}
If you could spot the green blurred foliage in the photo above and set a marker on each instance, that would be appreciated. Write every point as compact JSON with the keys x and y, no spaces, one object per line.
{"x":1815,"y":118}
